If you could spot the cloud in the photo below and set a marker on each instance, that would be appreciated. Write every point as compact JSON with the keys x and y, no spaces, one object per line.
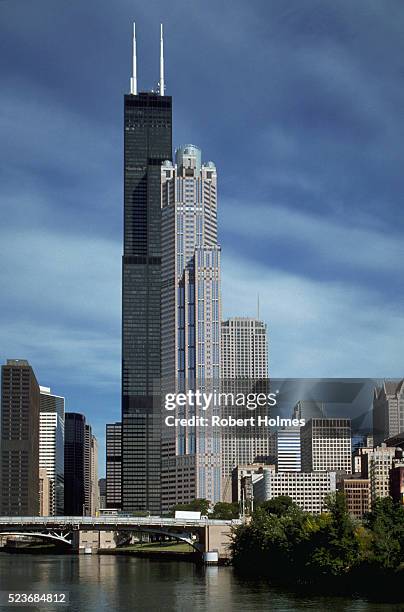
{"x":316,"y":329}
{"x":334,"y":242}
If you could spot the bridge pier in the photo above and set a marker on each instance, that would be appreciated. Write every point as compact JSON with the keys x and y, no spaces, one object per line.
{"x":93,"y":540}
{"x":216,"y":538}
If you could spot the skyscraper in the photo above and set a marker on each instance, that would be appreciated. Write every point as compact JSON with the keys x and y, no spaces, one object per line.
{"x":113,"y":465}
{"x":74,"y":464}
{"x":147,"y":143}
{"x":388,"y":410}
{"x":19,"y":476}
{"x":191,"y":314}
{"x":326,"y":445}
{"x":51,"y":446}
{"x":286,"y":447}
{"x":244,"y":367}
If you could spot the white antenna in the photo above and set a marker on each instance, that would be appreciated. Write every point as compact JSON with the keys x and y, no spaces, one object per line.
{"x":162,"y":85}
{"x":258,"y":306}
{"x":133,"y":80}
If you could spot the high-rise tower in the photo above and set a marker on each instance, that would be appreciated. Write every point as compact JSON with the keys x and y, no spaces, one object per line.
{"x":19,"y":442}
{"x":190,"y":319}
{"x":147,"y":143}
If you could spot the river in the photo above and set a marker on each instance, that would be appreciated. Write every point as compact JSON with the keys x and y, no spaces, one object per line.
{"x":108,"y":583}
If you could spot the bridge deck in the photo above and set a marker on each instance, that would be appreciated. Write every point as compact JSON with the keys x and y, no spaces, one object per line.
{"x":108,"y":521}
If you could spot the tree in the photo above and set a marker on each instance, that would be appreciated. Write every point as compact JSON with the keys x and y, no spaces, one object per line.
{"x":278,"y":505}
{"x":197,"y":505}
{"x":225,"y":511}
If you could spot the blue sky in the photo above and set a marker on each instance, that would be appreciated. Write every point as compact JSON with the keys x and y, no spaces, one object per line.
{"x":300,"y":105}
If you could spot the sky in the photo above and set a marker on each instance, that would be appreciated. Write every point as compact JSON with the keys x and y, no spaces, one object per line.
{"x":300,"y":105}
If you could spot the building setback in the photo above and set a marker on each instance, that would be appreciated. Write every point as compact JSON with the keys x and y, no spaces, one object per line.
{"x":326,"y":445}
{"x":113,"y":465}
{"x":51,"y":446}
{"x":191,"y":314}
{"x":308,"y":490}
{"x":147,"y":143}
{"x":19,"y":458}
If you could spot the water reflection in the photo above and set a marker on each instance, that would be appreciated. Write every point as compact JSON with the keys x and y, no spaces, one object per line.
{"x":109,"y":583}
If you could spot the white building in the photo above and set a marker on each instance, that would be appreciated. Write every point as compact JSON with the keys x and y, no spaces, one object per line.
{"x":51,"y":446}
{"x":307,"y":489}
{"x":190,"y":322}
{"x":326,"y":445}
{"x":285,"y":443}
{"x":376,"y":466}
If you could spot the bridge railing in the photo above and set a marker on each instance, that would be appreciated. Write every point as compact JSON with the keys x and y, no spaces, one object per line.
{"x":117,"y":520}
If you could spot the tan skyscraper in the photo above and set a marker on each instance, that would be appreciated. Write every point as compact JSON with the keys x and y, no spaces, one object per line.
{"x":244,"y":361}
{"x":190,"y":321}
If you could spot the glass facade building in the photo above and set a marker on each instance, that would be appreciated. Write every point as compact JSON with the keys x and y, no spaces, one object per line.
{"x":51,"y":446}
{"x":147,"y":143}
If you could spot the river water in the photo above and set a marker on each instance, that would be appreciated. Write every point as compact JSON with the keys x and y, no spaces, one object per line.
{"x":108,"y":583}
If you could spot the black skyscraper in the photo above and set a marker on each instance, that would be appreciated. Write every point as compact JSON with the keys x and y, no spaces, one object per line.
{"x":147,"y":143}
{"x":74,"y":464}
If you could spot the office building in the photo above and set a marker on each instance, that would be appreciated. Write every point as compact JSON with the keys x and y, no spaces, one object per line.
{"x":74,"y":464}
{"x":91,"y":502}
{"x":359,"y":452}
{"x":243,"y":476}
{"x":376,"y":467}
{"x":285,"y":444}
{"x":102,"y":493}
{"x":19,"y":476}
{"x":147,"y":143}
{"x":309,"y":490}
{"x":244,"y":365}
{"x":190,"y":323}
{"x":45,"y":501}
{"x":326,"y":445}
{"x":94,"y":491}
{"x":357,"y":495}
{"x":388,"y":410}
{"x":397,"y":483}
{"x":113,"y":465}
{"x":51,"y":446}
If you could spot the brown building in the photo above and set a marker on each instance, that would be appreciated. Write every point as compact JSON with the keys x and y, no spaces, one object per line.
{"x":397,"y":483}
{"x":357,"y":494}
{"x":44,"y":493}
{"x":19,"y":476}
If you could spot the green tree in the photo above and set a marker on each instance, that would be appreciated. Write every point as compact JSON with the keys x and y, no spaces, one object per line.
{"x":225,"y":511}
{"x":278,"y":505}
{"x":386,"y":523}
{"x":197,"y":505}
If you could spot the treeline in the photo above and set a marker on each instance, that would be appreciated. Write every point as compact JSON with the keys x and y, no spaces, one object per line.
{"x":221,"y":510}
{"x":326,"y":551}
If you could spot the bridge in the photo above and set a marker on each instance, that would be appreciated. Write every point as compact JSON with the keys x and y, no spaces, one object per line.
{"x":102,"y":532}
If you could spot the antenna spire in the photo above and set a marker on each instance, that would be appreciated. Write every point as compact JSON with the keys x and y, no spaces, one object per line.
{"x":162,"y":84}
{"x":133,"y":80}
{"x":258,"y":306}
